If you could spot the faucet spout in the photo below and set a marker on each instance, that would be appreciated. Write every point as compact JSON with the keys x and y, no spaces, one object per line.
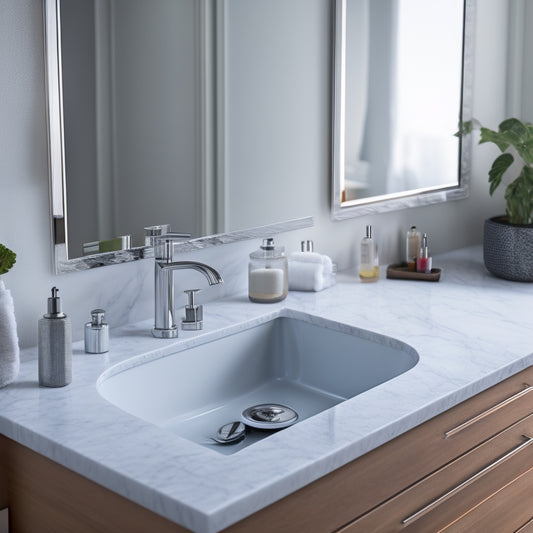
{"x":212,"y":276}
{"x":165,"y":323}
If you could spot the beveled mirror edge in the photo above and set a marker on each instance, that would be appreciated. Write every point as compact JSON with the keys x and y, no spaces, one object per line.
{"x":410,"y":199}
{"x":63,"y":266}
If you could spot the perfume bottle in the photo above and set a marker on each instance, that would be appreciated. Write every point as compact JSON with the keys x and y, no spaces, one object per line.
{"x":423,"y":263}
{"x":369,"y":267}
{"x":412,"y":248}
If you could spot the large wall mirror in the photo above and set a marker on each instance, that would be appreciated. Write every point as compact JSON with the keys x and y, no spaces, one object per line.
{"x":402,"y":82}
{"x":137,"y":103}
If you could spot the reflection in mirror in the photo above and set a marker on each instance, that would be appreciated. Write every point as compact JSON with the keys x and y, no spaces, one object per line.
{"x":402,"y":83}
{"x":130,"y":108}
{"x":134,"y":113}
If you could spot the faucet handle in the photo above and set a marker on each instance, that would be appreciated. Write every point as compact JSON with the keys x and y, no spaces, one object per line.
{"x":153,"y":233}
{"x":162,"y":244}
{"x":194,"y":314}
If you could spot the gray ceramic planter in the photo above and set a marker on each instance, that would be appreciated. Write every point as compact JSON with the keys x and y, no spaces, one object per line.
{"x":508,"y":249}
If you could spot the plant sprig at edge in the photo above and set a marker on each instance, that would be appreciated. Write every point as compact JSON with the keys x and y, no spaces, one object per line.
{"x":7,"y":259}
{"x":519,"y":193}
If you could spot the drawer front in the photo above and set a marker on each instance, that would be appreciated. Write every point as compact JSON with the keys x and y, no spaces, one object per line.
{"x":509,"y":510}
{"x":528,"y":526}
{"x":438,"y":500}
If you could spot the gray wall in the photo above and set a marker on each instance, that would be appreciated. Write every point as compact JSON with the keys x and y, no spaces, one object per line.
{"x":296,"y":139}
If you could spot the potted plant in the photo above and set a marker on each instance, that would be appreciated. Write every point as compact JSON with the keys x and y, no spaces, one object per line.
{"x":9,"y":348}
{"x":508,"y":239}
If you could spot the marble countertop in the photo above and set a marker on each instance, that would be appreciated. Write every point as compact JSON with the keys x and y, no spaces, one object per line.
{"x":471,"y":331}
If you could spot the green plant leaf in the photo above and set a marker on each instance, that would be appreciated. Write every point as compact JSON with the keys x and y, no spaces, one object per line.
{"x":491,"y":136}
{"x":464,"y":128}
{"x":7,"y":259}
{"x":525,"y":151}
{"x":519,"y":198}
{"x":514,"y":126}
{"x":500,"y":165}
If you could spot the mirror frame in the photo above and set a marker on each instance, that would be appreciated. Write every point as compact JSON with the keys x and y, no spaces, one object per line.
{"x":56,"y":151}
{"x":416,"y":197}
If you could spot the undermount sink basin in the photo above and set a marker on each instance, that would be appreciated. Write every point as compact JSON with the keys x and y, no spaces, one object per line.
{"x":288,"y":361}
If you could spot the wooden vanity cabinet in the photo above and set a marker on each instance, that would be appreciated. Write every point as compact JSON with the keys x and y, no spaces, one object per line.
{"x":376,"y":492}
{"x":381,"y":489}
{"x":3,"y":479}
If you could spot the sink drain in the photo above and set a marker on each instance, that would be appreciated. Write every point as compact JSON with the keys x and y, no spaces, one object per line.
{"x":269,"y":416}
{"x":230,"y":433}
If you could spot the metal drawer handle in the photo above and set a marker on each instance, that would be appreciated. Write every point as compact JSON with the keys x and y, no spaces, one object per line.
{"x":524,"y":527}
{"x":455,"y":490}
{"x":489,"y":411}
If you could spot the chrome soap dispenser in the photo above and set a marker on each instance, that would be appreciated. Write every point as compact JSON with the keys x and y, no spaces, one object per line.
{"x":97,"y":333}
{"x":55,"y":345}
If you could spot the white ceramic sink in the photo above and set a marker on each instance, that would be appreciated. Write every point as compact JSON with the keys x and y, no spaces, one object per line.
{"x":288,"y":361}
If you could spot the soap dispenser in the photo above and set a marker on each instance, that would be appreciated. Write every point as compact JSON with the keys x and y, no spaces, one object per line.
{"x":55,"y":345}
{"x":268,"y":279}
{"x":97,"y":333}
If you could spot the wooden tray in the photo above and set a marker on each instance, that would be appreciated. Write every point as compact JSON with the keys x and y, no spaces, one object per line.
{"x":400,"y":271}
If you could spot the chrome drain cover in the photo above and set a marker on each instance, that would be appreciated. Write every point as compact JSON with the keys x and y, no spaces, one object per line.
{"x":269,"y":416}
{"x":230,"y":433}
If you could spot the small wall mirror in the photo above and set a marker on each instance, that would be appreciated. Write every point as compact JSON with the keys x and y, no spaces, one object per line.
{"x":402,"y":83}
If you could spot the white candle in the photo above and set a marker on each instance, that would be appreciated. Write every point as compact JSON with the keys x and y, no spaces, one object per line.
{"x":267,"y":283}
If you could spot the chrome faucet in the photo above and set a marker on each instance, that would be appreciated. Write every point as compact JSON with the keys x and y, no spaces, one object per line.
{"x":165,"y":324}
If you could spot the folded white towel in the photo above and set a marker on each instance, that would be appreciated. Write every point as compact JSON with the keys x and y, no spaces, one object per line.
{"x":310,"y":271}
{"x":9,"y":345}
{"x":313,"y":257}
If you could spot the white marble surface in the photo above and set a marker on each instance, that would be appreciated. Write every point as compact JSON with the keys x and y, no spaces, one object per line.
{"x":470,"y":330}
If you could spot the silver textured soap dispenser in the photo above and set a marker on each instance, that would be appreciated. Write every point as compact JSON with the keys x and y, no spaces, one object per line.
{"x":55,"y":345}
{"x":97,"y":333}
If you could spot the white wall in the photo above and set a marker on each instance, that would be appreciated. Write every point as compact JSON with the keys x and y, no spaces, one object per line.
{"x":126,"y":290}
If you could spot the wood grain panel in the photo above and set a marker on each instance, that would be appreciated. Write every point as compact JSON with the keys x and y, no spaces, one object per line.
{"x":389,"y":517}
{"x":46,"y":497}
{"x":505,"y":511}
{"x":3,"y":477}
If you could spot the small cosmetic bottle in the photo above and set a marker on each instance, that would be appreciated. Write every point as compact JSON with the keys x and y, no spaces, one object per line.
{"x":412,"y":248}
{"x":268,"y":277}
{"x":55,"y":345}
{"x":97,"y":333}
{"x":423,"y":263}
{"x":369,"y":267}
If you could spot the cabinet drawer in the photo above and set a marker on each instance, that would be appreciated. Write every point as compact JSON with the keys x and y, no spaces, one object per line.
{"x":528,"y":526}
{"x":509,"y":510}
{"x":438,"y":500}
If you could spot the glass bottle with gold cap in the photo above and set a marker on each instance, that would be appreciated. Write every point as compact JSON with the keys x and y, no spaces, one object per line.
{"x":369,"y":267}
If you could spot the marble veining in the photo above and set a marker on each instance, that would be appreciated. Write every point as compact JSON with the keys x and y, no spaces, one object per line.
{"x":471,"y":330}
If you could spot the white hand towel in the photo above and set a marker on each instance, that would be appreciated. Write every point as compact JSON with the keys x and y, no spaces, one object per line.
{"x":309,"y":271}
{"x":9,"y":345}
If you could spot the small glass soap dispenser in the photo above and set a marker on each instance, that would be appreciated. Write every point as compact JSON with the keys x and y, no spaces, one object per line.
{"x":268,"y":273}
{"x":55,"y":345}
{"x":369,"y":267}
